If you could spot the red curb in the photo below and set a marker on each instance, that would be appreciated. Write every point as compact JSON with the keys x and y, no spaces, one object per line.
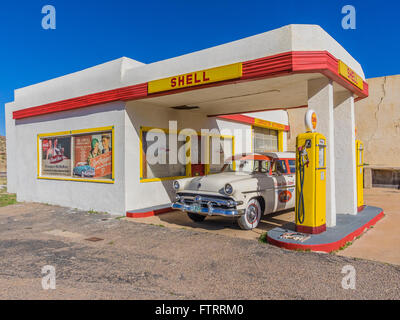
{"x":361,"y":208}
{"x":146,"y":214}
{"x":327,"y":247}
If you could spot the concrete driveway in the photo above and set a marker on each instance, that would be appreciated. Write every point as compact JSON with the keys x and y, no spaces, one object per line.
{"x":382,"y":242}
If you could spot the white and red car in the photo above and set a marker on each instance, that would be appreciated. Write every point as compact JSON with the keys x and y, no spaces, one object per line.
{"x":248,"y":186}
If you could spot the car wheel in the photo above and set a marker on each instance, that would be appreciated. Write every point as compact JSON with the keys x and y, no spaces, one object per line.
{"x":196,"y":217}
{"x":252,"y":215}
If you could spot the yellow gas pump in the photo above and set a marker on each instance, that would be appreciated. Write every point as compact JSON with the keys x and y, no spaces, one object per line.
{"x":360,"y":172}
{"x":310,"y":179}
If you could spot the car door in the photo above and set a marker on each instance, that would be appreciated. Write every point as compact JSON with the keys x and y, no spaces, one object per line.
{"x":291,"y":183}
{"x":284,"y":186}
{"x":266,"y":185}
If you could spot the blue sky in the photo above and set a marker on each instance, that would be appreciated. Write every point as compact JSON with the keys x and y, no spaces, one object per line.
{"x":92,"y":32}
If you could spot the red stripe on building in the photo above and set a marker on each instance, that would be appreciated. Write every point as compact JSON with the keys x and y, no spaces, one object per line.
{"x":120,"y":94}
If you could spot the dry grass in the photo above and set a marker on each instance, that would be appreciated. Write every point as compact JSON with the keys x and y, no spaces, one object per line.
{"x":7,"y":198}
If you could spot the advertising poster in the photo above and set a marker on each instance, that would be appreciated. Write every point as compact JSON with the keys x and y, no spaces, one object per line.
{"x":56,"y":156}
{"x":93,"y":156}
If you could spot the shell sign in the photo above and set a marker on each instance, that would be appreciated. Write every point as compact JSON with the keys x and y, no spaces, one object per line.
{"x":314,"y":120}
{"x":349,"y":74}
{"x":228,"y":72}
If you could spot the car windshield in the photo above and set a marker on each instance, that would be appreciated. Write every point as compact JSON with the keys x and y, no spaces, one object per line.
{"x":248,"y":166}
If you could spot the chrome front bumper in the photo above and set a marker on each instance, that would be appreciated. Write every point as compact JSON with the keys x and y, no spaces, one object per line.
{"x":209,"y":210}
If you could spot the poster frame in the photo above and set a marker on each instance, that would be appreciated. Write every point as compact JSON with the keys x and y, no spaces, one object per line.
{"x":73,"y":133}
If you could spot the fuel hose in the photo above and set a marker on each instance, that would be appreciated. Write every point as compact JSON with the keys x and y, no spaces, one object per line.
{"x":300,"y":211}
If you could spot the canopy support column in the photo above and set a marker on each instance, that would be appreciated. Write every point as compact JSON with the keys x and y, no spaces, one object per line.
{"x":320,"y":99}
{"x":345,"y":154}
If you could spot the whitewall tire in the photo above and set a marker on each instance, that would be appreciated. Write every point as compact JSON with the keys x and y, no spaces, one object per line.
{"x":252,"y":215}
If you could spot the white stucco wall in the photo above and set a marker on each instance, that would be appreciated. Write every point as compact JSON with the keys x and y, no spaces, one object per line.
{"x":22,"y":155}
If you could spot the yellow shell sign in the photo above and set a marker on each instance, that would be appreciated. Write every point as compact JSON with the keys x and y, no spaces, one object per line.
{"x":269,"y":124}
{"x":228,"y":72}
{"x":350,"y":75}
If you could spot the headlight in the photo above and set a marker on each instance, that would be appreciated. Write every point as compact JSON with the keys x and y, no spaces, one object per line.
{"x":176,"y":185}
{"x":228,"y":189}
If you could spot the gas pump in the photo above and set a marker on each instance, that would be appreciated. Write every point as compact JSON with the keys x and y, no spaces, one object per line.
{"x":310,"y":178}
{"x":360,"y":172}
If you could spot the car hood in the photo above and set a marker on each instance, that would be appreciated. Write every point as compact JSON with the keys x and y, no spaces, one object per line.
{"x":215,"y":182}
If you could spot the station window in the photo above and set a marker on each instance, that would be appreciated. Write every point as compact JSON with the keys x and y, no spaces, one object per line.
{"x":220,"y":148}
{"x":84,"y":155}
{"x":159,"y":160}
{"x":265,"y":140}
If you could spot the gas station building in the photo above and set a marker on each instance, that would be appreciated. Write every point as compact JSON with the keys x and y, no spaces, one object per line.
{"x":116,"y":104}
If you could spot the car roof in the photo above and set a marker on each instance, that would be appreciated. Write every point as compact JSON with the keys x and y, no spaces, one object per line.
{"x":282,"y":155}
{"x":249,"y":156}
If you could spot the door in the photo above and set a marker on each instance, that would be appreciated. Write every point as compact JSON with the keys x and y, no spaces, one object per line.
{"x":197,"y":165}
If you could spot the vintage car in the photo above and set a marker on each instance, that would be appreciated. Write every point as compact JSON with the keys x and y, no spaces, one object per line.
{"x":84,"y":170}
{"x":248,"y":186}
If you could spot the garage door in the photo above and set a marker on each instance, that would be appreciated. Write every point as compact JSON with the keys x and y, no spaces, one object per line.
{"x":265,"y":140}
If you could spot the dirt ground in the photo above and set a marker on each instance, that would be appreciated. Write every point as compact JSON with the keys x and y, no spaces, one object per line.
{"x":133,"y":260}
{"x":218,"y":225}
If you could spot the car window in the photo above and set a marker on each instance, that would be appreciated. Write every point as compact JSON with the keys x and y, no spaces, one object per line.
{"x":265,"y":165}
{"x":248,"y":166}
{"x":280,"y":167}
{"x":292,"y":166}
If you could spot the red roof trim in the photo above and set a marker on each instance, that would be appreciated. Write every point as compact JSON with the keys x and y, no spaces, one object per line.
{"x":272,"y":66}
{"x":120,"y":94}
